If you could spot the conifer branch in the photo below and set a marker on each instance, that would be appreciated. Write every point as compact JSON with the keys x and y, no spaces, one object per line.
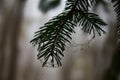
{"x":51,"y":37}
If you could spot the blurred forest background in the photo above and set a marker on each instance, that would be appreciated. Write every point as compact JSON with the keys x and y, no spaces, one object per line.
{"x":85,"y":58}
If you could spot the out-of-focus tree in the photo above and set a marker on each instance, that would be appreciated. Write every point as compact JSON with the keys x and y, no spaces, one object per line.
{"x":11,"y":12}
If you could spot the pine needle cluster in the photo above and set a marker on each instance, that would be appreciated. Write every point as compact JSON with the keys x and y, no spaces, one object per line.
{"x":51,"y":38}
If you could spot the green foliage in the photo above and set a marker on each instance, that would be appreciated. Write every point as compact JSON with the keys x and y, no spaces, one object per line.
{"x":52,"y":37}
{"x":117,"y":10}
{"x":117,"y":7}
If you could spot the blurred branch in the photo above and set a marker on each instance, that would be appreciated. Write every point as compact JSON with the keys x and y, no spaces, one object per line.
{"x":46,"y":5}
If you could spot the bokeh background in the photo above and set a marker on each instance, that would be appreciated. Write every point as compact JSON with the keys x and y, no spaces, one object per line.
{"x":85,"y":58}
